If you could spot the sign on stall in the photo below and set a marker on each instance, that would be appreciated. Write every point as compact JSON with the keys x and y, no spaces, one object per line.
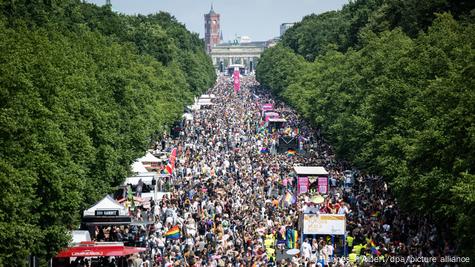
{"x":302,"y":185}
{"x":323,"y":185}
{"x":267,"y":107}
{"x":324,"y":224}
{"x":106,"y":213}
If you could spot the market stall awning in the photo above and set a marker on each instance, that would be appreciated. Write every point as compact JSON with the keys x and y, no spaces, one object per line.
{"x":99,"y":249}
{"x":103,"y":220}
{"x":134,"y":180}
{"x":310,"y":171}
{"x":149,"y":158}
{"x":138,"y":167}
{"x":277,"y":120}
{"x":106,"y":207}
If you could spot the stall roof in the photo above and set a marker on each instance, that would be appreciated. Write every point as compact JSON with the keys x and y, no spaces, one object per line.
{"x":271,"y":113}
{"x":208,"y":96}
{"x":203,"y":102}
{"x":146,"y":178}
{"x":99,"y":249}
{"x":107,"y":203}
{"x":277,"y":120}
{"x":310,"y":170}
{"x":138,"y":167}
{"x":149,"y":158}
{"x":134,"y":180}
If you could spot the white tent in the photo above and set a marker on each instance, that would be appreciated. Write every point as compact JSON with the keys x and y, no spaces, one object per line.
{"x":138,"y":167}
{"x":80,"y":236}
{"x":149,"y":158}
{"x":188,"y":116}
{"x":211,"y":96}
{"x":105,"y":207}
{"x":310,"y":171}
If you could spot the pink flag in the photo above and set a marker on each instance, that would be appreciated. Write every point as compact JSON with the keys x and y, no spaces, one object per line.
{"x":237,"y":82}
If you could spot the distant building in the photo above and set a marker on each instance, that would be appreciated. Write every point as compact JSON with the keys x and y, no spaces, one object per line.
{"x":284,"y":27}
{"x":272,"y":42}
{"x":236,"y":52}
{"x":241,"y":51}
{"x":212,"y":30}
{"x":245,"y":39}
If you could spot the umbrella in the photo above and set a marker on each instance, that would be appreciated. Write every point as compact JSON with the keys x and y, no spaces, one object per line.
{"x":293,"y":251}
{"x":317,"y":199}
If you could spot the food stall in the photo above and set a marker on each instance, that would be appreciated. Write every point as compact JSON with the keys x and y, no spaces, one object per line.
{"x":105,"y":212}
{"x":311,"y":177}
{"x":97,"y":253}
{"x":276,"y":123}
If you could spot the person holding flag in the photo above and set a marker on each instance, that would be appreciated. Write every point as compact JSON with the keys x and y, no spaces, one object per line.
{"x":288,"y":199}
{"x":173,"y":233}
{"x":374,"y":248}
{"x":171,"y":162}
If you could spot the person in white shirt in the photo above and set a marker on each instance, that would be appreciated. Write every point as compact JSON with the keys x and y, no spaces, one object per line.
{"x":343,"y":209}
{"x":328,"y":252}
{"x":306,"y":249}
{"x":190,"y":226}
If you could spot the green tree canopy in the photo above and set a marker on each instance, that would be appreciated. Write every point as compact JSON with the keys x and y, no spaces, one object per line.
{"x":393,"y":94}
{"x":83,"y":92}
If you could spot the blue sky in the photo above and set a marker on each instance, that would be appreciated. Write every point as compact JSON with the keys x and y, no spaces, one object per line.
{"x":259,"y":19}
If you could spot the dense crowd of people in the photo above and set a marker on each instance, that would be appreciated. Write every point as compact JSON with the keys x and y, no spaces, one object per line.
{"x":227,"y":196}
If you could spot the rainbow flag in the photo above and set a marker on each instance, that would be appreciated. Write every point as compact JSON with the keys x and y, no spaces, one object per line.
{"x":296,"y":238}
{"x":291,"y":238}
{"x":173,"y":233}
{"x":296,"y":131}
{"x":374,"y":249}
{"x":288,"y":199}
{"x":291,"y":153}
